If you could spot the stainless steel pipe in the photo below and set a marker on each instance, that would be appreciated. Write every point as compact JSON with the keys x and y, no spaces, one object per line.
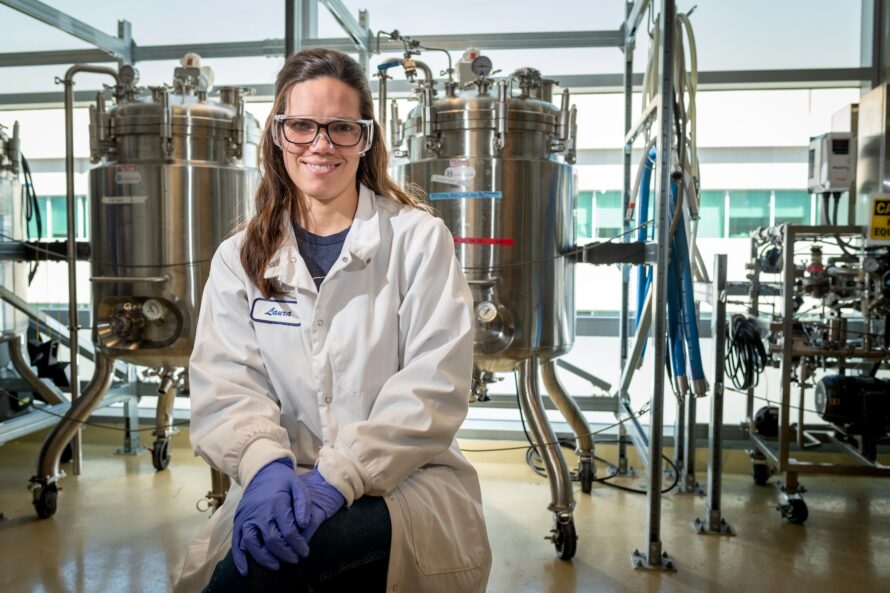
{"x":561,"y":495}
{"x":569,"y":408}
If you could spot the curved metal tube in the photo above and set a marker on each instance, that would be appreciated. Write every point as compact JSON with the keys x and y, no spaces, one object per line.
{"x":561,"y":495}
{"x":51,"y":451}
{"x":427,"y":73}
{"x":68,"y":82}
{"x":170,"y":381}
{"x":569,"y":408}
{"x":46,"y":392}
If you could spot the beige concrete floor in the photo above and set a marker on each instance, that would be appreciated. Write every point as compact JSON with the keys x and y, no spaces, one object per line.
{"x":121,"y":526}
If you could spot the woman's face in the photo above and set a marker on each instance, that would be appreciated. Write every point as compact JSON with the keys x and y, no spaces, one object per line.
{"x":320,"y":170}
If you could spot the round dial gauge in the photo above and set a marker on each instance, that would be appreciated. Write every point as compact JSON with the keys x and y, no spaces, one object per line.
{"x":128,"y":75}
{"x":481,"y":66}
{"x":486,"y":311}
{"x":152,"y":310}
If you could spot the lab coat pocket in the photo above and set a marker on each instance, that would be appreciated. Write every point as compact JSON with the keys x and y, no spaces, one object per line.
{"x":444,"y":521}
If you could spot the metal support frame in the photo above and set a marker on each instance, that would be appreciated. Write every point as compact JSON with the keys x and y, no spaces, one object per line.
{"x":121,"y":48}
{"x":356,"y":29}
{"x":276,"y":47}
{"x":132,"y":440}
{"x":713,"y":522}
{"x":653,"y":556}
{"x":781,"y":459}
{"x":300,"y":24}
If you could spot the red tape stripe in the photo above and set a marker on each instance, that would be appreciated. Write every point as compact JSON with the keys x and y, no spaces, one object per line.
{"x":483,"y":241}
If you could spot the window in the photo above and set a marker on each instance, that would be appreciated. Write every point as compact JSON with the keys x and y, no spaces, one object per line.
{"x":608,"y":217}
{"x":584,"y":216}
{"x":712,"y":214}
{"x":748,"y":209}
{"x":793,"y":207}
{"x":54,"y":216}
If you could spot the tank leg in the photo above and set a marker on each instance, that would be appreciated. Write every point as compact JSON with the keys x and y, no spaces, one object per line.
{"x":43,"y":485}
{"x":562,"y":498}
{"x":219,"y":488}
{"x":164,"y":429}
{"x":570,"y":410}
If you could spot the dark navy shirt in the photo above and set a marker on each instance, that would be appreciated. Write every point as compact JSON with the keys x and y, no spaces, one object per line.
{"x":319,"y":252}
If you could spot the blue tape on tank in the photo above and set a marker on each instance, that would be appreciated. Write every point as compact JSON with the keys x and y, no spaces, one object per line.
{"x":466,"y":195}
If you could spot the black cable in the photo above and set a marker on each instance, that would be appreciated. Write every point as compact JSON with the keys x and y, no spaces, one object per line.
{"x":826,"y":207}
{"x":532,"y":451}
{"x":32,"y":211}
{"x":745,"y":355}
{"x":531,"y":454}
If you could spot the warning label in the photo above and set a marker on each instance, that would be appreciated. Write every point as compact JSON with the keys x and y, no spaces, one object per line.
{"x":879,"y":221}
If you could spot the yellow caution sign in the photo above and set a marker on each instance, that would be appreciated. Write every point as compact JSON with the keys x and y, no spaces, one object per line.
{"x":879,"y":220}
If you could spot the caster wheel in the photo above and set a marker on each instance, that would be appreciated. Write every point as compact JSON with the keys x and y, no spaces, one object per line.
{"x":586,"y":476}
{"x":160,"y":454}
{"x":796,"y":512}
{"x":46,"y":500}
{"x":565,"y":539}
{"x":760,"y":472}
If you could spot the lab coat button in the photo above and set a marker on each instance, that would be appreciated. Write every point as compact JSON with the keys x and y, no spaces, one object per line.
{"x":293,"y":259}
{"x":328,"y":399}
{"x":345,"y":259}
{"x":320,"y":322}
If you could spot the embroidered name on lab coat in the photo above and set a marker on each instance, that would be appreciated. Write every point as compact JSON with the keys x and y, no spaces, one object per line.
{"x":275,"y":312}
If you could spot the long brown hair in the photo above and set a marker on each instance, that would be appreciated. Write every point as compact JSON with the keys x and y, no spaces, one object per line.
{"x":277,"y":197}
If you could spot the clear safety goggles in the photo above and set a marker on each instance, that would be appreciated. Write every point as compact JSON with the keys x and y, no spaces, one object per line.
{"x":296,"y":133}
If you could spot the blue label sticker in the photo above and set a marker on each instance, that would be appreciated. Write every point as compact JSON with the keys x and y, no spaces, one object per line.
{"x":466,"y":195}
{"x":275,"y":312}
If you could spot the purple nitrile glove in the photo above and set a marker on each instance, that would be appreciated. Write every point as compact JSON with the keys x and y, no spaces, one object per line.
{"x":324,"y":499}
{"x":273,"y":510}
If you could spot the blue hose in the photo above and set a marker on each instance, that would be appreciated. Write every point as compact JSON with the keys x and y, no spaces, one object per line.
{"x":644,"y":272}
{"x":674,"y":313}
{"x":680,"y":255}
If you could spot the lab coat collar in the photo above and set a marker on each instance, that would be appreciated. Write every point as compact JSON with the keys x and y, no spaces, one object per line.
{"x":364,"y":236}
{"x":362,"y":242}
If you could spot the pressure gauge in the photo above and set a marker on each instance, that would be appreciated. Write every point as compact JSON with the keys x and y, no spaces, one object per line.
{"x":871,"y":265}
{"x":152,"y":310}
{"x":486,"y":312}
{"x":481,"y":66}
{"x":128,"y":75}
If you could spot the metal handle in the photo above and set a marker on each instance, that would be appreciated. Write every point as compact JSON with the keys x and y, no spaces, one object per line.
{"x":166,"y":131}
{"x":501,"y":136}
{"x":129,"y":279}
{"x":395,"y":127}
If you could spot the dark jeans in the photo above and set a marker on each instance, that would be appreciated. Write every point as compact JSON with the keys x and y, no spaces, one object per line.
{"x":349,"y":552}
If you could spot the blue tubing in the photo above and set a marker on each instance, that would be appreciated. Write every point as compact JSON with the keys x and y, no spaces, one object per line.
{"x":675,"y":327}
{"x":644,"y":273}
{"x":680,"y":254}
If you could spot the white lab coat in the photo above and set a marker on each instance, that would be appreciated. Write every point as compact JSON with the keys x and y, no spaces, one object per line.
{"x":368,"y":377}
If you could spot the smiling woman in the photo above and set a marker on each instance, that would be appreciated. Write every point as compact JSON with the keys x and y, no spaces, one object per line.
{"x":332,"y":367}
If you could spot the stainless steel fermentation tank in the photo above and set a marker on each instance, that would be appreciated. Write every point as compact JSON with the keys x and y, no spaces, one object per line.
{"x":13,"y":276}
{"x":177,"y":171}
{"x":496,"y":162}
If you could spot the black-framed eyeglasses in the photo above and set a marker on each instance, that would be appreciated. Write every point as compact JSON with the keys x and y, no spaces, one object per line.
{"x":299,"y":132}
